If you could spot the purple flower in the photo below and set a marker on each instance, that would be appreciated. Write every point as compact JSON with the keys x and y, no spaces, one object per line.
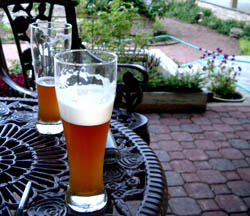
{"x":204,"y":68}
{"x":239,"y":68}
{"x":190,"y":66}
{"x":225,"y":56}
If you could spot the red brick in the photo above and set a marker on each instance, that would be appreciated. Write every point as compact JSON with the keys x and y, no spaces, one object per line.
{"x":244,"y":173}
{"x":177,"y":191}
{"x":215,"y":213}
{"x":206,"y":145}
{"x":230,"y":135}
{"x":201,"y":165}
{"x":182,"y":166}
{"x":246,"y":152}
{"x":180,"y":206}
{"x":182,"y":136}
{"x":214,"y":136}
{"x":240,"y":188}
{"x":170,"y":145}
{"x":244,"y":109}
{"x":157,"y":129}
{"x":211,"y":176}
{"x":185,"y":121}
{"x":231,"y":153}
{"x":207,"y":127}
{"x":154,"y":145}
{"x":220,"y":189}
{"x":238,"y":127}
{"x":237,"y":114}
{"x":243,"y":134}
{"x":246,"y":126}
{"x":230,"y":203}
{"x":201,"y":121}
{"x":198,"y":136}
{"x":223,"y":128}
{"x":190,"y":177}
{"x":170,"y":121}
{"x":162,"y":137}
{"x":166,"y":166}
{"x":222,"y":144}
{"x":198,"y":190}
{"x":231,"y":121}
{"x":176,"y":155}
{"x":231,"y":175}
{"x":248,"y":160}
{"x":195,"y":154}
{"x":152,"y":116}
{"x":213,"y":154}
{"x":208,"y":205}
{"x":187,"y":145}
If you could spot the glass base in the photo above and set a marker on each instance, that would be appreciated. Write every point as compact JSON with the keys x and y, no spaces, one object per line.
{"x":49,"y":127}
{"x":86,"y":204}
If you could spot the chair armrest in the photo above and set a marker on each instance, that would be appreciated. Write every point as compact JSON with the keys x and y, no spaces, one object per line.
{"x":137,"y":67}
{"x":14,"y":85}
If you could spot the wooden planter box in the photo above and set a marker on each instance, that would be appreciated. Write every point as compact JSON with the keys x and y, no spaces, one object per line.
{"x":174,"y":101}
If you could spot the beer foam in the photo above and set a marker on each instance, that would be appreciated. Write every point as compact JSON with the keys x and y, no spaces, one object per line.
{"x":46,"y":81}
{"x":86,"y":104}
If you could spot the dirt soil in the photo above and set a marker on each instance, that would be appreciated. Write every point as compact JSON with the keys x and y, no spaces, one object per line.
{"x":196,"y":35}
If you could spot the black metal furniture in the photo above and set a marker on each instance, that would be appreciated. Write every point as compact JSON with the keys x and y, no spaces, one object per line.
{"x":137,"y":179}
{"x":20,"y":14}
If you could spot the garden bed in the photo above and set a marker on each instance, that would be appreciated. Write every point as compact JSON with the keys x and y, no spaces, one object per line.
{"x":174,"y":101}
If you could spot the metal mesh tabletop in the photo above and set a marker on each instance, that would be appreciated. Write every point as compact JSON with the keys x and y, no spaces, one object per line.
{"x":136,"y":184}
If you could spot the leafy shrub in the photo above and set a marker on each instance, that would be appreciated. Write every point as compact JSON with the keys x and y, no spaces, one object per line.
{"x":188,"y":10}
{"x":157,"y":8}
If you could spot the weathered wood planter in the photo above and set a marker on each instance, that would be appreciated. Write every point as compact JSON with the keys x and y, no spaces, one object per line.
{"x":174,"y":101}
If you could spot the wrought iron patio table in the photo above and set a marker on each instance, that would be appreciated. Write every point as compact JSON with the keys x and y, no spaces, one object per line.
{"x":137,"y":181}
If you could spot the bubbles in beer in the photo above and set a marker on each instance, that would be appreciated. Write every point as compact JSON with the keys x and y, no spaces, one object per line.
{"x":85,"y":104}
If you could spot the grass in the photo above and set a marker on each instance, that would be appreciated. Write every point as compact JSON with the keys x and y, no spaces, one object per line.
{"x":244,"y":46}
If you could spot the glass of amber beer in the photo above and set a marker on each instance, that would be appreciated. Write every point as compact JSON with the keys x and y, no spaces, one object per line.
{"x":85,"y":83}
{"x":48,"y":38}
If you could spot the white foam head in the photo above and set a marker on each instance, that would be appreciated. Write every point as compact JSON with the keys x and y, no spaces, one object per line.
{"x":86,"y":104}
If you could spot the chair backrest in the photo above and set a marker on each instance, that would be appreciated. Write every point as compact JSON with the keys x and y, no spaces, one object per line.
{"x":20,"y":14}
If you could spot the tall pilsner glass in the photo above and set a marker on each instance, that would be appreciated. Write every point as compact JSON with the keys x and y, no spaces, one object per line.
{"x":85,"y":84}
{"x":48,"y":38}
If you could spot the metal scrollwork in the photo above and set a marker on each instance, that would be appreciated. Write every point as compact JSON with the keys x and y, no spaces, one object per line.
{"x":27,"y":156}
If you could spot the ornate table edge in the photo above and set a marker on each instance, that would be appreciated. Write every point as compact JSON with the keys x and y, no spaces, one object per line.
{"x":155,"y":200}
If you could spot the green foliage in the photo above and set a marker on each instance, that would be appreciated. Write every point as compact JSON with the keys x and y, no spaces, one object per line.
{"x":244,"y":46}
{"x":106,"y":28}
{"x":184,"y":79}
{"x":222,"y":75}
{"x":156,"y":9}
{"x":188,"y":10}
{"x":15,"y":67}
{"x":5,"y":28}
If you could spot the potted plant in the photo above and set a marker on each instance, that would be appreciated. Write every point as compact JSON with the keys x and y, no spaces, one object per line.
{"x":222,"y":73}
{"x":181,"y":91}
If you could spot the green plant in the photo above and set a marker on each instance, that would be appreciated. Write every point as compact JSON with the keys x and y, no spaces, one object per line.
{"x":15,"y":67}
{"x":5,"y":28}
{"x":107,"y":28}
{"x":157,"y":8}
{"x":222,"y":74}
{"x":185,"y":79}
{"x":188,"y":11}
{"x":244,"y":46}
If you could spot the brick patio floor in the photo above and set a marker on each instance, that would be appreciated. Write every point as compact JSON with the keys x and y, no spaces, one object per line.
{"x":206,"y":158}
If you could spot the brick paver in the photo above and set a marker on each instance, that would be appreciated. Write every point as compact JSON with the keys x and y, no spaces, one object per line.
{"x":207,"y":160}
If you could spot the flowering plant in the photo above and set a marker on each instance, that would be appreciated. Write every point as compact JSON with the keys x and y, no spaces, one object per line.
{"x":222,"y":74}
{"x":190,"y":78}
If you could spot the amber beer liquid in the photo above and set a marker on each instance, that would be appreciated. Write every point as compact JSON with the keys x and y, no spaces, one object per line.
{"x":85,"y":128}
{"x":48,"y":108}
{"x":86,"y":146}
